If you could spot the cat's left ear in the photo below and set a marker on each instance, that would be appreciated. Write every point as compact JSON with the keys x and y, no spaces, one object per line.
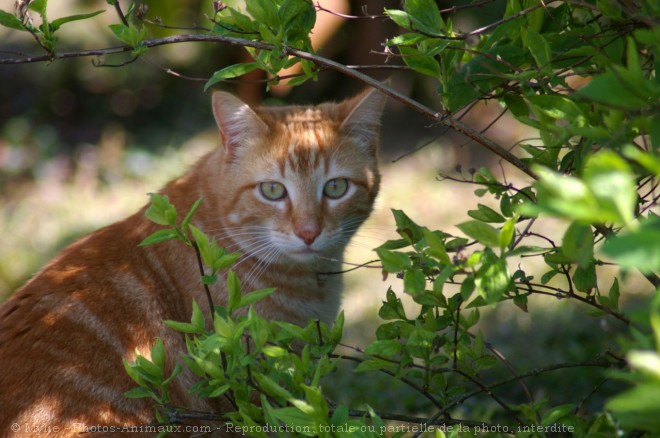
{"x":363,"y":119}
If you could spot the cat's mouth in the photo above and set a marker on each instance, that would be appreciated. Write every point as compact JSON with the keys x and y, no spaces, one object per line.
{"x":305,"y":251}
{"x":304,"y":254}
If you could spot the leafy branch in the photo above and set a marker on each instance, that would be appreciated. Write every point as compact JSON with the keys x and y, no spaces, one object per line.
{"x":351,"y":71}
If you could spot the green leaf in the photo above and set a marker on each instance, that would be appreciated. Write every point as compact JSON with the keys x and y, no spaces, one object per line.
{"x":420,"y":343}
{"x":606,"y":193}
{"x":414,"y":281}
{"x":436,"y":247}
{"x":255,"y":296}
{"x":39,"y":6}
{"x":264,"y":12}
{"x":212,"y":255}
{"x":132,"y":372}
{"x":197,"y":319}
{"x":406,"y":227}
{"x":614,"y":295}
{"x":481,"y":232}
{"x":340,"y":416}
{"x":386,"y":348}
{"x":400,"y":18}
{"x":393,"y":261}
{"x":159,"y":236}
{"x":506,"y":233}
{"x":538,"y":47}
{"x":557,"y":413}
{"x":610,"y":179}
{"x":189,"y":215}
{"x":425,"y":16}
{"x":557,"y":107}
{"x":158,"y":354}
{"x":467,"y":287}
{"x":217,"y":392}
{"x":57,"y":23}
{"x":148,"y":368}
{"x":486,"y":214}
{"x":298,"y":80}
{"x":521,"y":302}
{"x":130,"y":35}
{"x":138,"y":392}
{"x":178,"y":369}
{"x":296,"y":12}
{"x":584,"y":278}
{"x":516,"y":105}
{"x":638,"y":408}
{"x":272,"y":388}
{"x":209,"y":279}
{"x":183,"y":327}
{"x":610,"y":9}
{"x":648,"y":160}
{"x":392,"y":308}
{"x":374,"y":364}
{"x":221,"y":260}
{"x":578,"y":244}
{"x":161,"y":211}
{"x":553,"y":258}
{"x":420,"y":61}
{"x":304,"y":423}
{"x":242,"y":21}
{"x":229,"y":72}
{"x":337,"y":330}
{"x":639,"y":249}
{"x":274,"y":351}
{"x":406,"y":39}
{"x":606,"y":88}
{"x":493,"y":280}
{"x":10,"y":20}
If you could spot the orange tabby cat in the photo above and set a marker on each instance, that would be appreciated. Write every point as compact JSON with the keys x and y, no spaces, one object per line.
{"x":288,"y":187}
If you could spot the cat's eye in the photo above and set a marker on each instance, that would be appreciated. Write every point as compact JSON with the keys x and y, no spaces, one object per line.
{"x":272,"y":190}
{"x":335,"y":188}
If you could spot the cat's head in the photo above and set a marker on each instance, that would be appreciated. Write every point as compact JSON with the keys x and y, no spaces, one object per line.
{"x":297,"y":181}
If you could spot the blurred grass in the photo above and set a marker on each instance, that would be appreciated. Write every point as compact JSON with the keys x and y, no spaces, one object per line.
{"x":70,"y":197}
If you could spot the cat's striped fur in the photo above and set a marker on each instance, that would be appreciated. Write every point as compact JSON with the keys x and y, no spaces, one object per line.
{"x":64,"y":334}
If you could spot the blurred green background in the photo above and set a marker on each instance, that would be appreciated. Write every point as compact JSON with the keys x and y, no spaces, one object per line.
{"x":81,"y":146}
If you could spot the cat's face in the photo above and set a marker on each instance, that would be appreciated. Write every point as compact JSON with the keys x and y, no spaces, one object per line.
{"x":303,"y":179}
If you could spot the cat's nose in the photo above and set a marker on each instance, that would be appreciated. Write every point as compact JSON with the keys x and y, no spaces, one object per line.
{"x":308,"y":235}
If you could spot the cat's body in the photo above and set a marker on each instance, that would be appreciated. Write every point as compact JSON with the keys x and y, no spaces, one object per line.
{"x":287,"y":189}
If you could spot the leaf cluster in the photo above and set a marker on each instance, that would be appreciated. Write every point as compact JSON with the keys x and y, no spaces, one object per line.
{"x":279,"y":23}
{"x":44,"y":33}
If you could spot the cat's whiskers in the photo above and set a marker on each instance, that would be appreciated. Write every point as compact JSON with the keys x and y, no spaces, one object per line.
{"x":254,"y":251}
{"x":262,"y":263}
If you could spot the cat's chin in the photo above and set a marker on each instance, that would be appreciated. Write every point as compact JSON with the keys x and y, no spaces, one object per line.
{"x":306,"y":255}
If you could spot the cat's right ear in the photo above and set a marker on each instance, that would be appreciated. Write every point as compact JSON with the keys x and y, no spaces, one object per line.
{"x":238,"y":123}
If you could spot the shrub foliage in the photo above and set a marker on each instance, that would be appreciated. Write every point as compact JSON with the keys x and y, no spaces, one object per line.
{"x":583,"y":74}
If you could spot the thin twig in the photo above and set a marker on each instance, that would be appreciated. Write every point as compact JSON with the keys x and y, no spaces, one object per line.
{"x":120,"y":13}
{"x":200,"y":265}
